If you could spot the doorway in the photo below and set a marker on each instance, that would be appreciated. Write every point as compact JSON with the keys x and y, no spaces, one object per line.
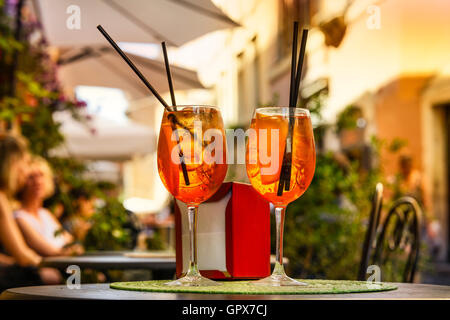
{"x":447,"y":147}
{"x":438,"y":153}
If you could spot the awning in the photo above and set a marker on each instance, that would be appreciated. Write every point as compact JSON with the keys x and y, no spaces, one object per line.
{"x":173,"y":21}
{"x":102,"y":139}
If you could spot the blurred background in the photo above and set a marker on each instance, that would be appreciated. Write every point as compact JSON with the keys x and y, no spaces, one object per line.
{"x":376,"y":80}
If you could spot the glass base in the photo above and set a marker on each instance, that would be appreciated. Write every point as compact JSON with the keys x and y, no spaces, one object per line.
{"x":276,"y":280}
{"x":193,"y":281}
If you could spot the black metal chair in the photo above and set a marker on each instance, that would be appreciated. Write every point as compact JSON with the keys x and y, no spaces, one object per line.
{"x":374,"y":219}
{"x":400,"y":233}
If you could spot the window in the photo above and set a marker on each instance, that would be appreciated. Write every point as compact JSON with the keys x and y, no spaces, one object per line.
{"x":108,"y":103}
{"x":248,"y":80}
{"x":256,"y":71}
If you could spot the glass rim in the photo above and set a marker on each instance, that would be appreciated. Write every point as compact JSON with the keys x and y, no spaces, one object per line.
{"x":282,"y":108}
{"x":193,"y":106}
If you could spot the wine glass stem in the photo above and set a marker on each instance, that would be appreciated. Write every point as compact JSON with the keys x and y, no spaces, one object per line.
{"x":279,"y":220}
{"x":192,"y":218}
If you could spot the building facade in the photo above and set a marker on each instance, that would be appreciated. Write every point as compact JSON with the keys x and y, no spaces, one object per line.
{"x":387,"y":57}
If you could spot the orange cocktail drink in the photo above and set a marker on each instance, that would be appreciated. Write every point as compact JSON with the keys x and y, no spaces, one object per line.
{"x":192,"y":166}
{"x":280,"y":161}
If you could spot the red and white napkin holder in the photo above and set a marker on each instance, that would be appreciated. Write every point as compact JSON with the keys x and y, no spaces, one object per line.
{"x":233,"y":234}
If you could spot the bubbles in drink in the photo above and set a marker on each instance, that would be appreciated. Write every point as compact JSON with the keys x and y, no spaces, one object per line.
{"x":303,"y":156}
{"x":204,"y":177}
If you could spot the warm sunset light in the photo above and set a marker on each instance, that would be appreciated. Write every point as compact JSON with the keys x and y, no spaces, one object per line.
{"x":245,"y":151}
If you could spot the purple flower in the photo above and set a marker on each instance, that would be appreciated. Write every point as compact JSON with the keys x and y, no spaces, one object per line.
{"x":46,"y":101}
{"x":11,"y":7}
{"x":80,"y":104}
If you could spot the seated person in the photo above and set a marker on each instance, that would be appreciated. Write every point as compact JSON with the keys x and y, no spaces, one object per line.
{"x":18,"y":262}
{"x":79,"y":223}
{"x":42,"y":231}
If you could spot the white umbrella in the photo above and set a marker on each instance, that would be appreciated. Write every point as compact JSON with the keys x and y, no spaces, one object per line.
{"x":110,"y":141}
{"x":69,"y":23}
{"x":104,"y":67}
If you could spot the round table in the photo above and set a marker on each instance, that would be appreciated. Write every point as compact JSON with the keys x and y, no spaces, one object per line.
{"x":105,"y":262}
{"x":117,"y":260}
{"x":102,"y":291}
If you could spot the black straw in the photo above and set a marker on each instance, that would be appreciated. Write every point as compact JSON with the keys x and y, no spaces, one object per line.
{"x":285,"y":172}
{"x":301,"y":57}
{"x":172,"y":118}
{"x":169,"y":75}
{"x":293,"y":63}
{"x":284,"y":182}
{"x":132,"y":66}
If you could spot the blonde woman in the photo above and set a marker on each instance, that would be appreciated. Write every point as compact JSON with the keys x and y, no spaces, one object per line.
{"x":42,"y":231}
{"x":18,"y":262}
{"x":13,"y":175}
